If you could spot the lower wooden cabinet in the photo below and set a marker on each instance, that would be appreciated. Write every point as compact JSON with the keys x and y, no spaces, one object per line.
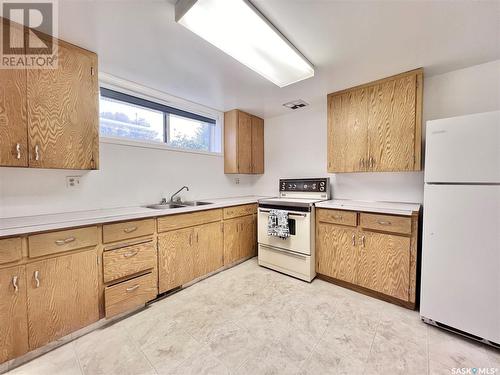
{"x":62,"y":296}
{"x":13,"y":314}
{"x":239,"y":238}
{"x":209,"y":255}
{"x":380,"y":261}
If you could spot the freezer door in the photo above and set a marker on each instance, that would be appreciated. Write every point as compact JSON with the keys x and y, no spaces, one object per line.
{"x":463,"y":149}
{"x":461,"y":258}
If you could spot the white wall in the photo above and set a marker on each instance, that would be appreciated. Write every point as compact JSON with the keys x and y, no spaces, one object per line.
{"x":295,"y":144}
{"x":128,"y":176}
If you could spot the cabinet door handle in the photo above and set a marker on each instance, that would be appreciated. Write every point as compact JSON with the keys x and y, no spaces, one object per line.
{"x":18,"y":151}
{"x":372,"y":162}
{"x":132,"y":288}
{"x":362,"y":241}
{"x":353,"y":240}
{"x":196,"y":237}
{"x":37,"y":153}
{"x":131,"y":254}
{"x":37,"y":278}
{"x":362,"y":163}
{"x":385,"y":223}
{"x":65,"y":241}
{"x":190,"y":239}
{"x":14,"y":284}
{"x":130,"y":229}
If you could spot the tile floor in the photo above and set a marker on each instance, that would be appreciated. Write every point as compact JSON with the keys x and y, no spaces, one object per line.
{"x":250,"y":320}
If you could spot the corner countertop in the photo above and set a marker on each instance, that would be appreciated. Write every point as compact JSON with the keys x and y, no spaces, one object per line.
{"x":394,"y":208}
{"x":15,"y":226}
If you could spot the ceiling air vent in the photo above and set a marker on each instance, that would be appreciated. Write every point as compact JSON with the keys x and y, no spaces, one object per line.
{"x":296,"y":104}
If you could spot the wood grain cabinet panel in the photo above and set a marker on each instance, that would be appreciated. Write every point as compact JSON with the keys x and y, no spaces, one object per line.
{"x":243,"y":143}
{"x":239,"y":239}
{"x":129,"y":260}
{"x":127,"y":230}
{"x":13,"y":122}
{"x":337,"y":253}
{"x":376,"y":127}
{"x":209,"y":253}
{"x":235,"y":211}
{"x":61,"y":241}
{"x":62,"y":296}
{"x":385,"y":264}
{"x":347,"y":131}
{"x":178,"y":221}
{"x":62,"y":107}
{"x":386,"y":223}
{"x":130,"y":294}
{"x":13,"y":313}
{"x":337,"y":217}
{"x":248,"y":245}
{"x":10,"y":250}
{"x":175,"y":258}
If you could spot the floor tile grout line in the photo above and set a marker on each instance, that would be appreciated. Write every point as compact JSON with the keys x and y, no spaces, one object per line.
{"x":138,"y":347}
{"x":73,"y":346}
{"x":371,"y":344}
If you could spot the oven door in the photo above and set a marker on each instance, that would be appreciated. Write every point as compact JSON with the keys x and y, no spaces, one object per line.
{"x":300,"y":232}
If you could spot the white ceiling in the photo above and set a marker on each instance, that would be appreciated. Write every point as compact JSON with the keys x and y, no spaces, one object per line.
{"x":349,"y":42}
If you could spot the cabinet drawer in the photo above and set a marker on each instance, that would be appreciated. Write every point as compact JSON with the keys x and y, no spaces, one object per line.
{"x":171,"y":222}
{"x":337,"y":217}
{"x":129,"y":294}
{"x":386,"y":223}
{"x":10,"y":250}
{"x":235,"y":211}
{"x":127,"y":230}
{"x":129,"y":260}
{"x":60,"y":241}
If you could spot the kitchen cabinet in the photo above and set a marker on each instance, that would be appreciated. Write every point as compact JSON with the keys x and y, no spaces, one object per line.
{"x":239,"y":238}
{"x":62,"y":111}
{"x":337,"y":254}
{"x":13,"y":124}
{"x":49,"y":117}
{"x":376,"y":127}
{"x":376,"y":254}
{"x":209,"y":253}
{"x":13,"y":313}
{"x":243,"y":143}
{"x":62,"y":296}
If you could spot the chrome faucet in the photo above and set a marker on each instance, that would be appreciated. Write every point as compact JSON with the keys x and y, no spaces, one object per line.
{"x":177,"y":192}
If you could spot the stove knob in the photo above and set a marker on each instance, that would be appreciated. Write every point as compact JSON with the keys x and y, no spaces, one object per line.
{"x":305,"y":186}
{"x":294,"y":186}
{"x":322,"y":183}
{"x":321,"y":188}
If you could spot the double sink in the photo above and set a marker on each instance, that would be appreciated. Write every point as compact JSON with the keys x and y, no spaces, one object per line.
{"x":173,"y":205}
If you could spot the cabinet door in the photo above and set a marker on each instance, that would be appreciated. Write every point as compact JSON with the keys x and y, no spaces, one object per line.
{"x":63,"y":119}
{"x":385,"y":264}
{"x":244,"y":143}
{"x":257,"y":145}
{"x":392,"y":125}
{"x":248,"y":238}
{"x":337,"y":254}
{"x":175,"y":258}
{"x":62,"y":296}
{"x":209,"y":254}
{"x":13,"y":124}
{"x":13,"y":315}
{"x":232,"y":241}
{"x":347,"y":131}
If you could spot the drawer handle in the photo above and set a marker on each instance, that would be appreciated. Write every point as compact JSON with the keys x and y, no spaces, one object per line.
{"x":18,"y":151}
{"x":337,"y":217}
{"x":353,"y":240}
{"x":65,"y":241}
{"x":131,"y":254}
{"x":37,"y":279}
{"x":130,"y":230}
{"x":385,"y":223}
{"x":14,"y":284}
{"x":37,"y":153}
{"x":363,"y":241}
{"x":132,"y":288}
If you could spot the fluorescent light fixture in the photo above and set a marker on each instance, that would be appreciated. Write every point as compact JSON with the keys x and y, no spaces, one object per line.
{"x":240,"y":30}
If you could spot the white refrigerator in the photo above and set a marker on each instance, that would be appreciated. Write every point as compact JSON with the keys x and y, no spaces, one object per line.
{"x":460,"y":279}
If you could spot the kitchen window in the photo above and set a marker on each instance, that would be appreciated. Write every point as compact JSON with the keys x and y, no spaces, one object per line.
{"x":128,"y":117}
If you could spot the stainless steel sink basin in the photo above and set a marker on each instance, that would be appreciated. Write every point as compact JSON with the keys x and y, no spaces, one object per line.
{"x":165,"y":206}
{"x":196,"y":203}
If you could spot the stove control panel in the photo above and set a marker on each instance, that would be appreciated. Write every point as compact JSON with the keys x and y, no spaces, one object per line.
{"x":310,"y":185}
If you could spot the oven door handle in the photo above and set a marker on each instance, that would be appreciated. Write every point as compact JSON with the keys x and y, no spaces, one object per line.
{"x":290,"y":253}
{"x":289,"y":213}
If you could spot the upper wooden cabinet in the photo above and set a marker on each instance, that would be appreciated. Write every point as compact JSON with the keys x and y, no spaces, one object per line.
{"x":376,"y":127}
{"x":49,"y":117}
{"x":243,"y":143}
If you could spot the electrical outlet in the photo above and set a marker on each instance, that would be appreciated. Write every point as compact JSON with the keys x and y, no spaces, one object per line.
{"x":237,"y":180}
{"x":72,"y":181}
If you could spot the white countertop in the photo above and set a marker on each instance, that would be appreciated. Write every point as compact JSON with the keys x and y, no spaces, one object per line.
{"x":394,"y":208}
{"x":31,"y":224}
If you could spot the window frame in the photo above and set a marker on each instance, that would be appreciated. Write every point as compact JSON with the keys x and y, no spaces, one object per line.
{"x":140,"y":95}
